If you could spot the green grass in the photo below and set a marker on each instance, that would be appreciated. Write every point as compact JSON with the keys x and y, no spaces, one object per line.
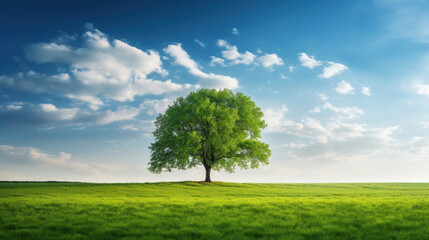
{"x":191,"y":210}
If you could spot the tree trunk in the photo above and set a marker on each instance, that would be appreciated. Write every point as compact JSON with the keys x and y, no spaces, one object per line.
{"x":208,"y":168}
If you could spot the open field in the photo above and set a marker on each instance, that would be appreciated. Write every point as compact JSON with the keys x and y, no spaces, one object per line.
{"x":191,"y":210}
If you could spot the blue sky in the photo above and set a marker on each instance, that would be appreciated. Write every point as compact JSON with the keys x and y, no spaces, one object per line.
{"x":343,"y":84}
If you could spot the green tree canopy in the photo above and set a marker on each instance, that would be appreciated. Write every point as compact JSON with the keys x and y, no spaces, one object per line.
{"x":216,"y":129}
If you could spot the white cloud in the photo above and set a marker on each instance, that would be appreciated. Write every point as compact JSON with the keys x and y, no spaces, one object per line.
{"x":122,"y":113}
{"x":216,"y":60}
{"x":344,"y":87}
{"x":277,"y":122}
{"x":209,"y":80}
{"x":315,"y":110}
{"x":155,"y":106}
{"x":291,"y":68}
{"x":29,"y":155}
{"x":96,"y":68}
{"x":348,"y":142}
{"x":366,"y":91}
{"x":94,"y":103}
{"x":332,"y":69}
{"x":422,"y":89}
{"x":200,"y":43}
{"x":13,"y":107}
{"x":331,"y":141}
{"x":419,"y":147}
{"x":145,"y":127}
{"x":307,"y":61}
{"x":47,"y":114}
{"x":48,"y":107}
{"x":235,"y":31}
{"x":270,"y":60}
{"x":231,"y":53}
{"x":323,"y":97}
{"x":350,"y":112}
{"x":282,"y":76}
{"x":425,"y":124}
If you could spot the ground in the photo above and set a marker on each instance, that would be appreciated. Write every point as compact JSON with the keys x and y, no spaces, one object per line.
{"x":193,"y":210}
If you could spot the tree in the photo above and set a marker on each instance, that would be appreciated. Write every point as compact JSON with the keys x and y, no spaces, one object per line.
{"x":216,"y":129}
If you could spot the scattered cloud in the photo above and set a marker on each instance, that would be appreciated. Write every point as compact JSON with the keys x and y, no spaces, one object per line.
{"x":350,"y":112}
{"x":34,"y":156}
{"x":422,"y":89}
{"x":200,"y":43}
{"x":322,"y":96}
{"x":155,"y":106}
{"x":235,"y":31}
{"x":47,"y":114}
{"x":231,"y":53}
{"x":366,"y":91}
{"x":270,"y":60}
{"x":315,"y":110}
{"x":209,"y":80}
{"x":216,"y":60}
{"x":96,"y":68}
{"x":344,"y":87}
{"x":145,"y":127}
{"x":291,"y":68}
{"x":307,"y":61}
{"x":277,"y":122}
{"x":332,"y":69}
{"x":331,"y":141}
{"x":12,"y":107}
{"x":347,"y":142}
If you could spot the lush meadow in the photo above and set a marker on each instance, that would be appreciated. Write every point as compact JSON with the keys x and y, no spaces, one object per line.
{"x":192,"y":210}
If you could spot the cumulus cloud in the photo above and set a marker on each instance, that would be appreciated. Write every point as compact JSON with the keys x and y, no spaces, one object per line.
{"x":145,"y":127}
{"x":94,"y":67}
{"x":209,"y":80}
{"x":331,"y":141}
{"x":323,"y":97}
{"x":307,"y":61}
{"x":155,"y":106}
{"x":277,"y":122}
{"x":366,"y":91}
{"x":13,"y":107}
{"x":235,"y":31}
{"x":310,"y":128}
{"x":418,"y":146}
{"x":347,"y":142}
{"x":350,"y":112}
{"x":29,"y":155}
{"x":216,"y":60}
{"x":422,"y":89}
{"x":315,"y":110}
{"x":231,"y":53}
{"x":344,"y":87}
{"x":270,"y":60}
{"x":332,"y":69}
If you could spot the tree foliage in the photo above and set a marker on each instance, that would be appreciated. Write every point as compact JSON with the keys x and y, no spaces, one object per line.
{"x":216,"y":129}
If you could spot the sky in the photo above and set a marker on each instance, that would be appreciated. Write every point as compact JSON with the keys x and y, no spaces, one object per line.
{"x":344,"y":85}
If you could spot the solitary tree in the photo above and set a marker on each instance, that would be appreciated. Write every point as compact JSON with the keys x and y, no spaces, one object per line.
{"x":216,"y":129}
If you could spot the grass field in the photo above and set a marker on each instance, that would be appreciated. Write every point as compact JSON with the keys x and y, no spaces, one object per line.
{"x":191,"y":210}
